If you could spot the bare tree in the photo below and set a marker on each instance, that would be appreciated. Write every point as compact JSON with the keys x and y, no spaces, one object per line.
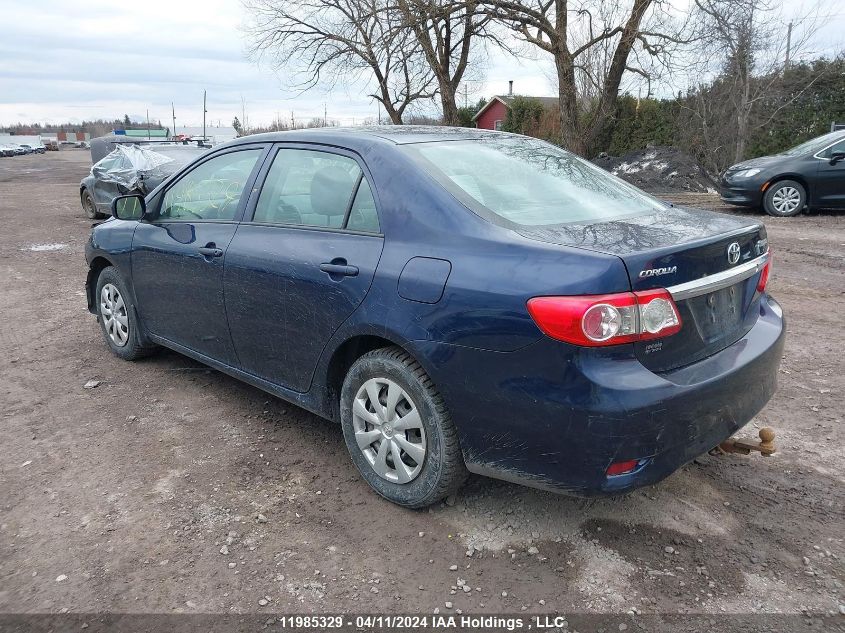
{"x":330,"y":41}
{"x":594,"y":44}
{"x":751,"y":43}
{"x":448,"y":33}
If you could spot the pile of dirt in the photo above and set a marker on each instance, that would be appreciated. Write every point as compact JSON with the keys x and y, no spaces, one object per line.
{"x":659,"y":169}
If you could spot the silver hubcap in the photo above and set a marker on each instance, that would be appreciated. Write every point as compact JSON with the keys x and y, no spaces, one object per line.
{"x":388,"y":430}
{"x":786,"y":199}
{"x":113,"y":313}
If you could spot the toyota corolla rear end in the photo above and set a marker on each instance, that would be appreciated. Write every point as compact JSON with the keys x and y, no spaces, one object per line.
{"x":635,"y":371}
{"x":676,"y":365}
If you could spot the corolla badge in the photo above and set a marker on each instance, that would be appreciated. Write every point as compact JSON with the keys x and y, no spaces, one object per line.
{"x":654,"y":272}
{"x":733,"y":253}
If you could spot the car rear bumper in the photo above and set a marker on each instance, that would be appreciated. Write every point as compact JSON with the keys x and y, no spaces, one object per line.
{"x":555,"y":417}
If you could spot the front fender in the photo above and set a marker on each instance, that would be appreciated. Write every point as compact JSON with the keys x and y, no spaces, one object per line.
{"x":110,"y":244}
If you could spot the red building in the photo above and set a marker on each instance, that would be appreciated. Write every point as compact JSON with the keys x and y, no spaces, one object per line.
{"x":492,"y":116}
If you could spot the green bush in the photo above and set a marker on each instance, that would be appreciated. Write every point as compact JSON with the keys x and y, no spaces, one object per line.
{"x":524,"y":116}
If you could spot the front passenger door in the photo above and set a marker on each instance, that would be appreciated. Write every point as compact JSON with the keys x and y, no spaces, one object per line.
{"x":178,"y":253}
{"x":830,"y":182}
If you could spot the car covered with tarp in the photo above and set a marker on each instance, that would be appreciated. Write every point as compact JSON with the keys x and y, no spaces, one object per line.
{"x":131,"y":168}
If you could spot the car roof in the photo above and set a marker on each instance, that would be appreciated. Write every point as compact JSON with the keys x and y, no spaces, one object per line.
{"x":392,"y":134}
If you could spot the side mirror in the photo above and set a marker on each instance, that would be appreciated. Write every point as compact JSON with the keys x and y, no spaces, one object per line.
{"x":131,"y":207}
{"x":836,"y":157}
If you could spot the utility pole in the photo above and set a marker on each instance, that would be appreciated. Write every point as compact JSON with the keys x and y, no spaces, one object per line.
{"x":292,"y":121}
{"x":173,"y":113}
{"x":788,"y":45}
{"x":148,"y":123}
{"x":243,"y":115}
{"x":325,"y":115}
{"x":204,"y":111}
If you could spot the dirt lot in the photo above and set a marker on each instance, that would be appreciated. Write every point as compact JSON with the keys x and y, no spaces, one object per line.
{"x":173,"y":488}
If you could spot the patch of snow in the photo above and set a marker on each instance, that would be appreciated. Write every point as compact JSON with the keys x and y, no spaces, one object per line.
{"x":627,"y":168}
{"x":45,"y":247}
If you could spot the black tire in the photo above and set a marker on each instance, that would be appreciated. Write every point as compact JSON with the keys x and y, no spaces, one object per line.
{"x":443,"y":470}
{"x":89,"y":206}
{"x":774,"y":200}
{"x":134,"y":346}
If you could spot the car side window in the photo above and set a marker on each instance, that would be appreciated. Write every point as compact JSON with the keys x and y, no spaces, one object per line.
{"x":307,"y":188}
{"x":212,"y":190}
{"x":838,"y":147}
{"x":363,"y":215}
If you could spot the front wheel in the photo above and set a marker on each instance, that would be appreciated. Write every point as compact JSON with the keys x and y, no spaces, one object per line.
{"x":398,"y":431}
{"x":117,"y":317}
{"x":784,"y":199}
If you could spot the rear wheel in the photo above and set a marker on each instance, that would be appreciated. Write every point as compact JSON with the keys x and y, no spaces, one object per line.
{"x":89,"y":206}
{"x":785,"y":198}
{"x":117,"y":317}
{"x":398,"y":431}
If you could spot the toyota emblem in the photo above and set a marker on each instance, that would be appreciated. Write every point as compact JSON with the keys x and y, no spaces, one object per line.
{"x":733,"y":253}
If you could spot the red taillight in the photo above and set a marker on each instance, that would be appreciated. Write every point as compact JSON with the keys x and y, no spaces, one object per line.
{"x":764,"y":275}
{"x":607,"y":319}
{"x":586,"y":320}
{"x":622,"y":468}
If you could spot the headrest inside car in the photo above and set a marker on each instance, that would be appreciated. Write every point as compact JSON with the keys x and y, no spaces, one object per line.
{"x":330,"y":191}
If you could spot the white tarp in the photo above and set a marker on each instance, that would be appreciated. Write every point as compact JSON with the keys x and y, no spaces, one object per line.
{"x":129,"y":165}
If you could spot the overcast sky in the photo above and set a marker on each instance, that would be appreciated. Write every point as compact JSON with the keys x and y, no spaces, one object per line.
{"x":86,"y":59}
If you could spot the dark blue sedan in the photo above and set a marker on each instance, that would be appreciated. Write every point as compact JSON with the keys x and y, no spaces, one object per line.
{"x":458,"y":300}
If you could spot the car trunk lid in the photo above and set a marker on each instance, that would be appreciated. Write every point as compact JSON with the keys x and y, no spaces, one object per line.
{"x":678,"y":249}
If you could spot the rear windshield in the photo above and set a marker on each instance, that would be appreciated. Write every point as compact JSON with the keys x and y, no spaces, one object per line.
{"x":529,"y":182}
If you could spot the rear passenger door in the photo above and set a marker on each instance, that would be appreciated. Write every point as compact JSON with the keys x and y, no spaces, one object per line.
{"x":301,"y":261}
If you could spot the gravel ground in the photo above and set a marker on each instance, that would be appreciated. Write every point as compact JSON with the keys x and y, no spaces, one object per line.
{"x":172,"y":488}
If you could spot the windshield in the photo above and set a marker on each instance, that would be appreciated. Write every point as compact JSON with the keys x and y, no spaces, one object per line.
{"x":814,"y":145}
{"x":528,"y":182}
